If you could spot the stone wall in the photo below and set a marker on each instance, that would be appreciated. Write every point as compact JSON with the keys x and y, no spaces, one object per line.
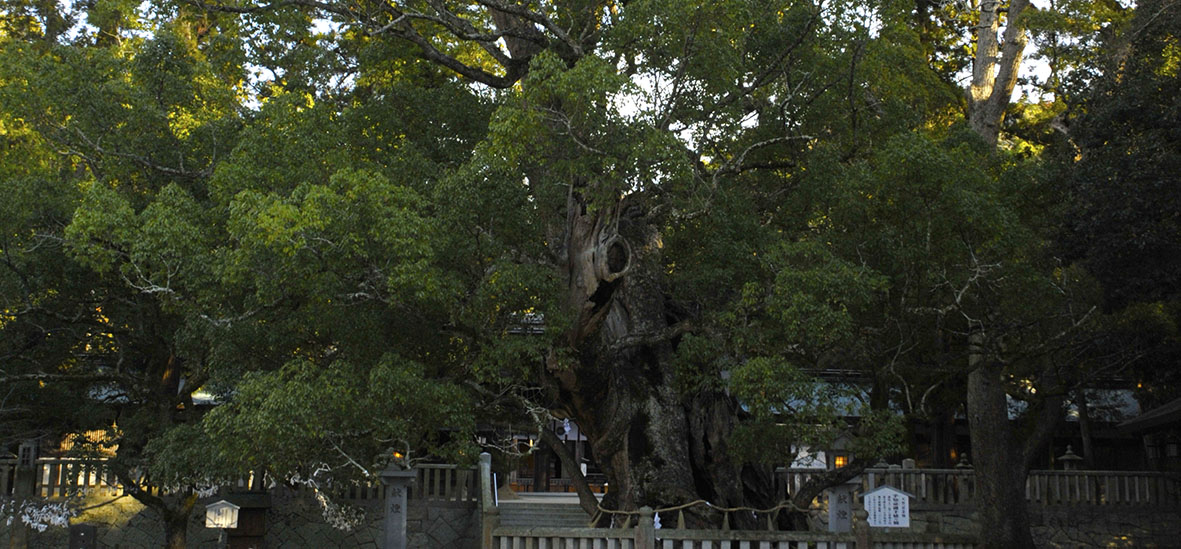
{"x":295,"y":520}
{"x":1106,"y":526}
{"x":1070,"y":526}
{"x":123,"y":523}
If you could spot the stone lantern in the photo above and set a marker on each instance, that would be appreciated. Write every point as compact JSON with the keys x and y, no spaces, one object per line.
{"x":1070,"y":461}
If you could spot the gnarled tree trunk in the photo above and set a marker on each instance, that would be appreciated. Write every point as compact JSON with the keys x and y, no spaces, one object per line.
{"x":657,"y":446}
{"x":1001,"y":466}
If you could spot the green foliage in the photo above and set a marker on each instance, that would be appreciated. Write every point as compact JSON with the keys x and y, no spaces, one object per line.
{"x":814,"y":293}
{"x":1120,"y":170}
{"x":791,"y":410}
{"x":341,"y":414}
{"x":183,"y":456}
{"x":345,"y":241}
{"x":1124,"y":192}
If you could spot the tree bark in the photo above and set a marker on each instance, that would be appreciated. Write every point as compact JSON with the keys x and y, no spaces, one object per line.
{"x":586,"y":497}
{"x":1000,"y":467}
{"x":176,"y":528}
{"x":1084,"y":427}
{"x":174,"y":510}
{"x":995,"y":67}
{"x":657,"y":447}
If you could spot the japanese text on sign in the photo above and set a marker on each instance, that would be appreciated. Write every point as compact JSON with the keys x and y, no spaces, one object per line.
{"x":888,"y":508}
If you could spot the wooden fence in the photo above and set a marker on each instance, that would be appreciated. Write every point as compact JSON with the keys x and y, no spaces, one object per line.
{"x":597,"y":484}
{"x":645,"y":536}
{"x":958,"y":486}
{"x":445,"y":483}
{"x":58,"y":478}
{"x":66,"y":477}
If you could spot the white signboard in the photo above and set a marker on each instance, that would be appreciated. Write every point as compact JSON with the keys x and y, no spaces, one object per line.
{"x":888,"y":507}
{"x":222,"y":514}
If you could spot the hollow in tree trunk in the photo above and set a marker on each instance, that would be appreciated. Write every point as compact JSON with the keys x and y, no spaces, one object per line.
{"x":657,"y":446}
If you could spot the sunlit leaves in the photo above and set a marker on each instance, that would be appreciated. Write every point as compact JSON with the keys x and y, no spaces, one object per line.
{"x":815,"y":293}
{"x":103,"y":224}
{"x":306,"y":414}
{"x":569,"y":120}
{"x":312,"y":239}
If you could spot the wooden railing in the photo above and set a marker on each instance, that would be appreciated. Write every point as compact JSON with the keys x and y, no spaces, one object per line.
{"x":597,"y":484}
{"x":446,"y":483}
{"x":645,"y":536}
{"x":58,"y":478}
{"x":598,"y":538}
{"x":1103,"y":488}
{"x":507,"y":537}
{"x":958,"y":486}
{"x":64,"y":477}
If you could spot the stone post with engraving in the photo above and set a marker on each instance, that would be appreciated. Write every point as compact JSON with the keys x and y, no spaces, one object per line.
{"x":398,"y":482}
{"x":840,"y":508}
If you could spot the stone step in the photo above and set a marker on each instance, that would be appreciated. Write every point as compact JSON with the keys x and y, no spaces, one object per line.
{"x":531,"y":506}
{"x":524,"y":522}
{"x":543,"y":515}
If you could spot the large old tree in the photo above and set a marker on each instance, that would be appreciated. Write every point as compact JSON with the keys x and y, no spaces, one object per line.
{"x":629,"y":189}
{"x":345,"y":219}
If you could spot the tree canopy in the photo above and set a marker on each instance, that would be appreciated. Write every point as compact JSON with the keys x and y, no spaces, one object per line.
{"x":369,"y":230}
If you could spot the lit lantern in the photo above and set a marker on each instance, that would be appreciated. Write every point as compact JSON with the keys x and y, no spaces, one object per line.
{"x":221,"y":514}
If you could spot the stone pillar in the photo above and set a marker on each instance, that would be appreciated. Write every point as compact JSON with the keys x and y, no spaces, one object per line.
{"x":840,"y":508}
{"x":645,"y":530}
{"x":861,"y":529}
{"x":489,"y":514}
{"x":399,"y":481}
{"x":24,"y":487}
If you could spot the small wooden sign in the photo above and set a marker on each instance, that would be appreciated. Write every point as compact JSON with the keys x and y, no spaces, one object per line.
{"x":887,"y":507}
{"x":221,"y":514}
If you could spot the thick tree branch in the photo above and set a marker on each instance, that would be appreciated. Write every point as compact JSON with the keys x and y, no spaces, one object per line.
{"x":738,"y":164}
{"x":586,"y":497}
{"x":539,"y":18}
{"x":400,"y":26}
{"x":811,"y":488}
{"x":995,"y":67}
